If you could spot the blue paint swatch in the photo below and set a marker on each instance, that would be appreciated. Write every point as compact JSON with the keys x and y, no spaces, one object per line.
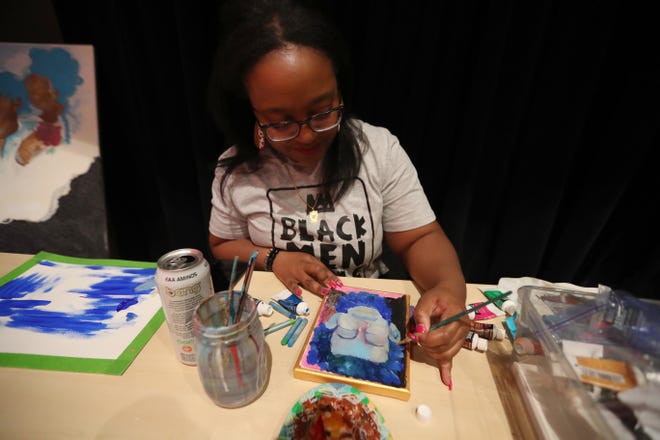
{"x":92,"y":299}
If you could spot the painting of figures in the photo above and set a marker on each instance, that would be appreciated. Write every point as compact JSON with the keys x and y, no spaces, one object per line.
{"x":48,"y":138}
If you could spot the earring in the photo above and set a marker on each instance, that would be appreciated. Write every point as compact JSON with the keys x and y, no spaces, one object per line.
{"x":259,"y":140}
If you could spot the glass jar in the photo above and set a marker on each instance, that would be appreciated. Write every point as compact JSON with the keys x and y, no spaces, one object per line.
{"x":232,"y":361}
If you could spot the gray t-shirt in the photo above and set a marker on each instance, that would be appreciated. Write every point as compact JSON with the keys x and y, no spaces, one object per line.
{"x":266,"y":207}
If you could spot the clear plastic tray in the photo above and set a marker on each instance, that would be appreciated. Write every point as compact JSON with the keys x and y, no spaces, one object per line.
{"x":574,"y":351}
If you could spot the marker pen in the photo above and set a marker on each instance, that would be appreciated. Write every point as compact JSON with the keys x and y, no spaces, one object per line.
{"x":297,"y":332}
{"x":292,"y":330}
{"x":291,"y":302}
{"x":280,"y":325}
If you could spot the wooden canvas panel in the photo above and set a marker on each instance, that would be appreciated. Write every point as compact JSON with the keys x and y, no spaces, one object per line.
{"x":354,"y":341}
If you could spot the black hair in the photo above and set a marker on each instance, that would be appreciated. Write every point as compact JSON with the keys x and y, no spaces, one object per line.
{"x":251,"y":29}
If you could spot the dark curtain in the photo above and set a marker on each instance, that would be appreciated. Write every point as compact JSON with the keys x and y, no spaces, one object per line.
{"x":533,"y":126}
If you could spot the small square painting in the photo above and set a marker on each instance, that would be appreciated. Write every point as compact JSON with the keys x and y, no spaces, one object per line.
{"x":354,"y":340}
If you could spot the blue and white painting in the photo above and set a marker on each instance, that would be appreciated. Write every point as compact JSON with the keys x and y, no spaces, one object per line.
{"x":76,"y":310}
{"x":48,"y":126}
{"x":356,"y":335}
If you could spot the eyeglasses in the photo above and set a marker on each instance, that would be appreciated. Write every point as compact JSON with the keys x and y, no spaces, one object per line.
{"x":287,"y":130}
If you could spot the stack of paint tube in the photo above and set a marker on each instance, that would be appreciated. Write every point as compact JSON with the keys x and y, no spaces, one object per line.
{"x":479,"y":335}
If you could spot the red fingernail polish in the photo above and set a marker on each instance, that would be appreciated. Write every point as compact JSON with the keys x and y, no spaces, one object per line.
{"x":325,"y":291}
{"x":339,"y":283}
{"x":299,"y":292}
{"x":413,"y":337}
{"x":420,"y":328}
{"x":451,"y":384}
{"x":332,"y":284}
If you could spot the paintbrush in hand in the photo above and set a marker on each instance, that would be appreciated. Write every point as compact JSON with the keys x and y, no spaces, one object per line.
{"x":460,"y":315}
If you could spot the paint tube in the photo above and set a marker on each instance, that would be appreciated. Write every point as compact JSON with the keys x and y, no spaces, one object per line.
{"x":474,"y":342}
{"x":291,"y":303}
{"x":508,"y":306}
{"x":487,"y":330}
{"x":485,"y":312}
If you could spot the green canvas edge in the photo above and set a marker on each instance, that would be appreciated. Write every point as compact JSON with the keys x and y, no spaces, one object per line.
{"x":43,"y":255}
{"x":74,"y":364}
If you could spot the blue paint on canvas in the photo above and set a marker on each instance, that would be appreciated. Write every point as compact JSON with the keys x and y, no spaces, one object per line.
{"x":389,"y":372}
{"x":17,"y":288}
{"x":35,"y":301}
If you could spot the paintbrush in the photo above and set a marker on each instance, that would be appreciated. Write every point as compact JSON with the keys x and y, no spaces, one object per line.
{"x":232,"y":277}
{"x":246,"y":284}
{"x":460,"y":315}
{"x":230,"y":294}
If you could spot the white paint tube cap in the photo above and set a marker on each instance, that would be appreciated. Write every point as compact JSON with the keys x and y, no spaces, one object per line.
{"x":302,"y":308}
{"x":499,"y":333}
{"x":423,"y":413}
{"x":264,"y":309}
{"x":482,"y":344}
{"x":509,"y":307}
{"x":472,"y":315}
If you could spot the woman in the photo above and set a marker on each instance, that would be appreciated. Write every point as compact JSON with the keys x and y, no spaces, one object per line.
{"x":313,"y":189}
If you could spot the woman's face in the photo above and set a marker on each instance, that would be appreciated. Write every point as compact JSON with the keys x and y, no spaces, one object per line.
{"x":40,"y":91}
{"x":292,"y":84}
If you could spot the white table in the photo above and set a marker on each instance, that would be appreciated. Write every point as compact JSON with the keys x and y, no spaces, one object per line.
{"x":159,"y":397}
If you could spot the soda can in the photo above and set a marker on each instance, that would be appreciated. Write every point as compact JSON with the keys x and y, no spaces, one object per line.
{"x":184,"y":279}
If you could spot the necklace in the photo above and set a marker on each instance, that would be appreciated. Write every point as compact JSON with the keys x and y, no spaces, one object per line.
{"x":313,"y":213}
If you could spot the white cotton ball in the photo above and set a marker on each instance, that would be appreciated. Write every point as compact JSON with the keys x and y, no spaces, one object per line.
{"x":423,"y":413}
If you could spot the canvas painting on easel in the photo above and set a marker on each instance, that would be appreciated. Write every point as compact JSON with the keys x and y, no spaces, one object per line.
{"x":48,"y":136}
{"x":354,"y":340}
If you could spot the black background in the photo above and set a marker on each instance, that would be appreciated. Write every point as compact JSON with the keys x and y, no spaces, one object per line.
{"x":533,"y":125}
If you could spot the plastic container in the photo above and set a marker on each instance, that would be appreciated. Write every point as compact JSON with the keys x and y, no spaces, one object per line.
{"x":571,"y":358}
